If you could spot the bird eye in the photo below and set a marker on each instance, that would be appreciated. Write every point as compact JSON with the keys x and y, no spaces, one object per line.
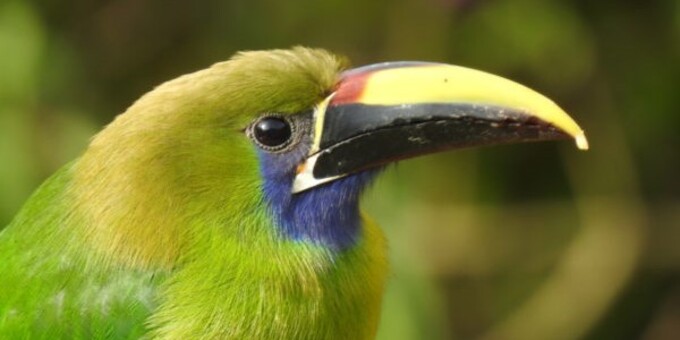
{"x":272,"y":133}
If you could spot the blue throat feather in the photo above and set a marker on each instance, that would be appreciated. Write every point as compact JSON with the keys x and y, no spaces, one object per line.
{"x":328,"y":215}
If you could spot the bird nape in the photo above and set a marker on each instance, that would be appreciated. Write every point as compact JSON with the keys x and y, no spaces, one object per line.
{"x":225,"y":203}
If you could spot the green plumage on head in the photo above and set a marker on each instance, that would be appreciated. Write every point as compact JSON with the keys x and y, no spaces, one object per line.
{"x":224,"y":204}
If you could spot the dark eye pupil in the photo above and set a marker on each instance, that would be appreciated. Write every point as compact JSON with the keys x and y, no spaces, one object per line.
{"x":272,"y":131}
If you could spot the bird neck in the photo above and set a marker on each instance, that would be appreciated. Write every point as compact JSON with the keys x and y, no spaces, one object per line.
{"x":274,"y":289}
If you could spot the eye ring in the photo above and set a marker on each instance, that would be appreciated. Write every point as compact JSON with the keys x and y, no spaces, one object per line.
{"x":272,"y":132}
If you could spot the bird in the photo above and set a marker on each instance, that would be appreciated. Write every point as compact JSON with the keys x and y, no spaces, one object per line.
{"x":225,"y":204}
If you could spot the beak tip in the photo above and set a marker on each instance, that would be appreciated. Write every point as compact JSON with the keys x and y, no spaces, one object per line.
{"x":581,"y":141}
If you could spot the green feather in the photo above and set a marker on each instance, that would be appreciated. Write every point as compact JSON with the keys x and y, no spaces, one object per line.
{"x":53,"y":289}
{"x":160,"y":228}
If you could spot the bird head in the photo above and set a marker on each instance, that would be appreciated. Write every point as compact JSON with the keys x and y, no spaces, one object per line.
{"x":290,"y":137}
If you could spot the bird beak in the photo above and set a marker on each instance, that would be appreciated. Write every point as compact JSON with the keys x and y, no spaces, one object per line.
{"x":387,"y":112}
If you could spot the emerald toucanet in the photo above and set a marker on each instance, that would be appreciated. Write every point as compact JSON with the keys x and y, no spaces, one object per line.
{"x":224,"y":204}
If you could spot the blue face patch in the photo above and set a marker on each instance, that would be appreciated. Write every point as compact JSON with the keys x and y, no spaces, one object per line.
{"x":327,"y":215}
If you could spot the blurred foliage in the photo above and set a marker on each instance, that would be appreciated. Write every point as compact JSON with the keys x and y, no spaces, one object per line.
{"x":515,"y":242}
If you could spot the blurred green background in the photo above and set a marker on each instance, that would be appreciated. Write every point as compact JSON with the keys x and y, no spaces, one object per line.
{"x":536,"y":241}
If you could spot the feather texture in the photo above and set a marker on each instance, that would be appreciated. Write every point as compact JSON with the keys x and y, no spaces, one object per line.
{"x":163,"y":227}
